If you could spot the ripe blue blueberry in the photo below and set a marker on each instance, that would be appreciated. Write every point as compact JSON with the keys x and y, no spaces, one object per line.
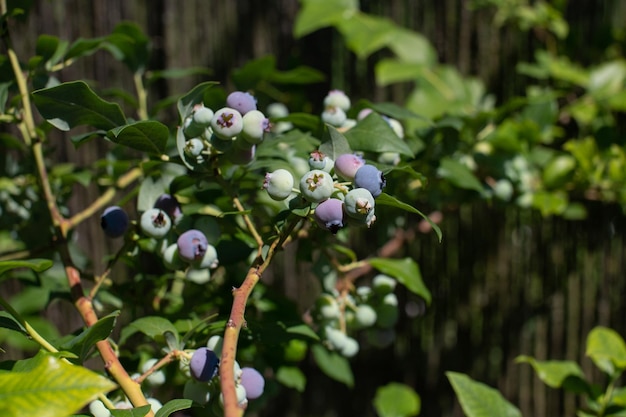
{"x":316,"y":185}
{"x":253,"y":382}
{"x":241,"y":101}
{"x":192,"y":245}
{"x":169,"y":204}
{"x":347,"y":164}
{"x":278,"y":184}
{"x":329,"y":215}
{"x":155,"y":223}
{"x":227,"y":123}
{"x":203,"y":364}
{"x":114,"y":221}
{"x":370,"y":178}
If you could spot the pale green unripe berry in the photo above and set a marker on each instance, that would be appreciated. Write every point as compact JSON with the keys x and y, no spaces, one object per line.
{"x":350,"y":347}
{"x":335,"y":337}
{"x":365,"y":315}
{"x":241,"y":395}
{"x":194,"y":147}
{"x":155,"y":378}
{"x":255,"y":126}
{"x":337,"y":98}
{"x":155,"y":223}
{"x":334,"y":116}
{"x":203,"y":116}
{"x":154,"y":404}
{"x":327,"y":307}
{"x":503,"y":189}
{"x":348,"y":124}
{"x":279,"y":184}
{"x":383,"y":284}
{"x":277,"y":110}
{"x":227,"y":123}
{"x":98,"y":409}
{"x":198,"y":276}
{"x":359,"y":203}
{"x":316,"y":185}
{"x":215,"y":344}
{"x":171,"y":260}
{"x":396,"y":126}
{"x":389,"y":158}
{"x":209,"y":260}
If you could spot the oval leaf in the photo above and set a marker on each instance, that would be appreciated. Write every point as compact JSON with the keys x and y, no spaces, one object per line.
{"x":173,"y":406}
{"x":72,"y":104}
{"x":396,"y":400}
{"x":459,"y":175}
{"x":557,"y":374}
{"x":333,"y":364}
{"x":49,"y":387}
{"x":147,"y":136}
{"x":386,"y":200}
{"x":373,"y":134}
{"x":480,"y":400}
{"x":607,"y":349}
{"x":37,"y":265}
{"x":406,"y":271}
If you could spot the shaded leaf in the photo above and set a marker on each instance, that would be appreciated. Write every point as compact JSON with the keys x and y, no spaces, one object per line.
{"x":172,"y":406}
{"x":385,"y":199}
{"x":146,"y":136}
{"x":396,"y":400}
{"x":406,"y":271}
{"x":333,"y":364}
{"x":291,"y":377}
{"x":37,"y":265}
{"x":72,"y":104}
{"x":557,"y":374}
{"x":194,"y":96}
{"x":459,"y":175}
{"x":133,"y":412}
{"x":82,"y":344}
{"x":480,"y":400}
{"x":152,"y":326}
{"x":373,"y":134}
{"x":49,"y":387}
{"x":335,"y":143}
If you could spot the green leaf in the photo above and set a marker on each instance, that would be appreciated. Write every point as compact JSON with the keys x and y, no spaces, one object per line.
{"x":72,"y":104}
{"x":37,"y":265}
{"x":133,"y":412}
{"x":373,"y":134}
{"x":333,"y":364}
{"x":174,"y":73}
{"x":147,"y":136}
{"x":49,"y":387}
{"x":194,"y":96}
{"x":304,"y":121}
{"x":385,"y":199}
{"x":303,"y":330}
{"x":130,"y":45}
{"x":412,"y":47}
{"x":406,"y":271}
{"x":8,"y":322}
{"x":298,"y":75}
{"x":390,"y":70}
{"x":459,"y":175}
{"x":152,"y":326}
{"x":317,"y":14}
{"x":557,"y":374}
{"x":84,"y":47}
{"x":82,"y":344}
{"x":172,"y":406}
{"x":396,"y":400}
{"x":607,"y":350}
{"x":480,"y":400}
{"x":291,"y":377}
{"x":365,"y":34}
{"x":335,"y":143}
{"x":395,"y":111}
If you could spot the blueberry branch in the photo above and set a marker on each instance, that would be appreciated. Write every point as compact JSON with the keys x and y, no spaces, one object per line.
{"x":237,"y":320}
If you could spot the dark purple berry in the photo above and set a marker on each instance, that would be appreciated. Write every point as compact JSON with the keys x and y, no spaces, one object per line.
{"x":192,"y":245}
{"x":329,"y":215}
{"x":203,"y":364}
{"x":241,"y":101}
{"x":114,"y":221}
{"x":169,"y":205}
{"x":370,"y":178}
{"x":253,"y":382}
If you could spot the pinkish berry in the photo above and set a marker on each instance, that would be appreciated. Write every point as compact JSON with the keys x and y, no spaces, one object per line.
{"x":347,"y":164}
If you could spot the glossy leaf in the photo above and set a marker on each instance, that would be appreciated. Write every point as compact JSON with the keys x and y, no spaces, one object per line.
{"x":82,"y":344}
{"x":385,"y":199}
{"x":333,"y":365}
{"x":607,"y":350}
{"x":194,"y":96}
{"x":146,"y":136}
{"x":396,"y":400}
{"x":75,"y":104}
{"x":152,"y":326}
{"x":317,"y":14}
{"x":48,"y":387}
{"x":173,"y":406}
{"x":335,"y":144}
{"x":133,"y":412}
{"x":365,"y":34}
{"x":373,"y":134}
{"x":480,"y":400}
{"x":37,"y":265}
{"x":406,"y":271}
{"x":557,"y":374}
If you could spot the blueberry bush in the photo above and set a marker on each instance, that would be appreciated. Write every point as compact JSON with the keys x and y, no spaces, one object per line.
{"x":202,"y":208}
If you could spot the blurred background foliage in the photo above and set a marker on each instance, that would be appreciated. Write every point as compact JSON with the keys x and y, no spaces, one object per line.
{"x":521,"y":143}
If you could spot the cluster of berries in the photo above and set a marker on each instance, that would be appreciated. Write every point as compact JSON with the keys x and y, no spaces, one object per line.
{"x":344,"y":191}
{"x":374,"y":309}
{"x":202,"y":366}
{"x":188,"y":249}
{"x":233,"y":130}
